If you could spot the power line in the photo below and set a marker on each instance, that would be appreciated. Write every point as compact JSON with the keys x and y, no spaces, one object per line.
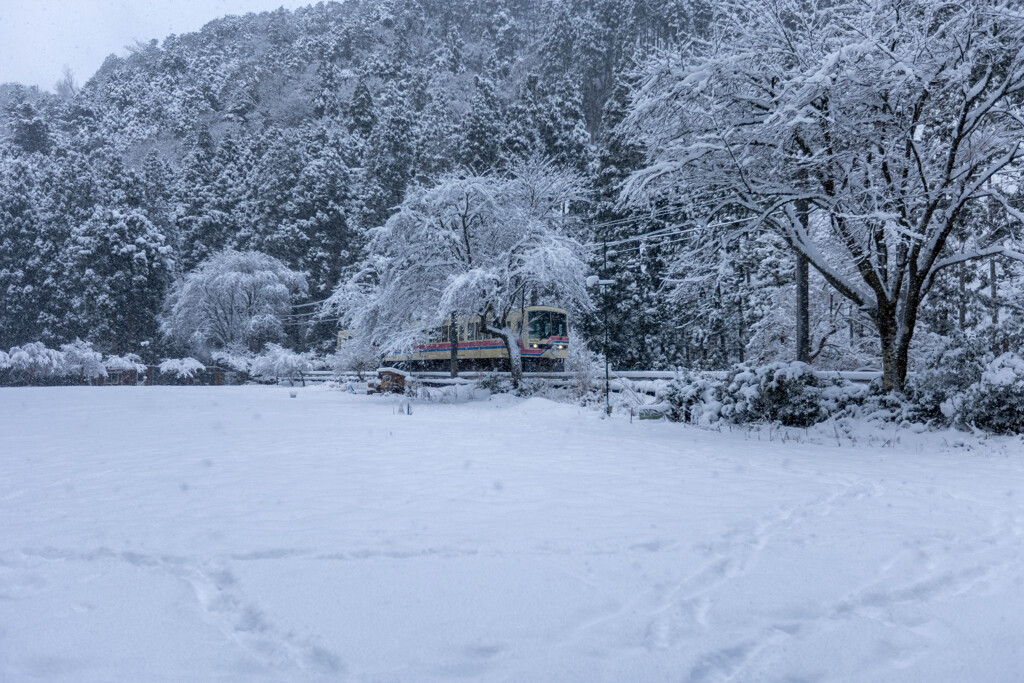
{"x":311,"y":303}
{"x":663,"y":232}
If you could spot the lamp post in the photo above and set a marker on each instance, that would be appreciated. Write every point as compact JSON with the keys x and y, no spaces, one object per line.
{"x":597,"y":281}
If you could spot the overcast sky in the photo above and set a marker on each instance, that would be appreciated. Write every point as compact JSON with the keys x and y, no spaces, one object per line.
{"x":38,"y":37}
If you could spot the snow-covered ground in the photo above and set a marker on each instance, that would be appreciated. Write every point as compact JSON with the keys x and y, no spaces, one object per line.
{"x":237,"y":534}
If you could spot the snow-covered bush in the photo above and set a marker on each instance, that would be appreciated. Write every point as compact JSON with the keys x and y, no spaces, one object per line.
{"x":356,"y":355}
{"x":790,"y":394}
{"x":585,"y":365}
{"x":495,"y":383}
{"x":82,"y":360}
{"x":691,"y":397}
{"x":946,"y":373}
{"x":129,"y":362}
{"x":126,"y":368}
{"x":5,"y":361}
{"x":277,"y":361}
{"x":995,"y":402}
{"x":787,"y":393}
{"x":181,"y":368}
{"x":35,"y":362}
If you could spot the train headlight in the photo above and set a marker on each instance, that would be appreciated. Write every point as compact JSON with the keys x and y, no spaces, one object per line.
{"x":533,"y":346}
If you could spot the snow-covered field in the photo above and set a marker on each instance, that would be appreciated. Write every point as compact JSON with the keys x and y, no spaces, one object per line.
{"x":236,"y":534}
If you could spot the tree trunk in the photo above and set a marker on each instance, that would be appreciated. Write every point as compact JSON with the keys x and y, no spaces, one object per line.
{"x":515,"y":359}
{"x":803,"y":313}
{"x":885,"y":320}
{"x":963,"y":297}
{"x":994,"y":291}
{"x":803,"y":299}
{"x":896,"y":333}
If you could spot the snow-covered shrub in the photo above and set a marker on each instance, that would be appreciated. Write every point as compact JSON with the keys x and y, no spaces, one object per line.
{"x":277,"y":361}
{"x":585,"y":365}
{"x":495,"y":383}
{"x":5,"y":361}
{"x":181,"y":368}
{"x":129,"y":362}
{"x":356,"y":355}
{"x":875,"y":405}
{"x":692,"y":397}
{"x":82,"y":360}
{"x":787,"y":393}
{"x":948,"y":370}
{"x":839,"y":396}
{"x":36,"y":363}
{"x":995,"y":402}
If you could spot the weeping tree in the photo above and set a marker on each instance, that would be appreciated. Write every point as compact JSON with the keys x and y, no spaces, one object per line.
{"x":860,"y":131}
{"x":469,"y":247}
{"x":233,"y":300}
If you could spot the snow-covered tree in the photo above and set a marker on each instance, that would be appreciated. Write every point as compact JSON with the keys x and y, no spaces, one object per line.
{"x":129,"y":362}
{"x":237,"y":358}
{"x":233,"y":298}
{"x":860,"y":131}
{"x":356,"y":354}
{"x":35,"y":362}
{"x":474,"y":247}
{"x":181,"y":368}
{"x":282,"y":363}
{"x":82,"y":360}
{"x":121,"y":265}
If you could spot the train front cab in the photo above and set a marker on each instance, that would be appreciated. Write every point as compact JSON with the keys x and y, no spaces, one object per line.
{"x":545,"y":338}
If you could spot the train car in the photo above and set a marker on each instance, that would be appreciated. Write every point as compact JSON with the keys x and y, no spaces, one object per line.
{"x":542,"y":332}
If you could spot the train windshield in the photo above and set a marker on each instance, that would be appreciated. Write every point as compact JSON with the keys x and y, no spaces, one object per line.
{"x":545,"y":324}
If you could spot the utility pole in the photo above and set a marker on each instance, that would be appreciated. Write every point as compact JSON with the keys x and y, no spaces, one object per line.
{"x":598,"y":281}
{"x":604,"y":292}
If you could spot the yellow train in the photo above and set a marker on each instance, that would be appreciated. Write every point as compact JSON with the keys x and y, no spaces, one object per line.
{"x":542,"y":331}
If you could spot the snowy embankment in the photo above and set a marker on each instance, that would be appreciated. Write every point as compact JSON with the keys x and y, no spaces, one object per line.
{"x":235,"y":534}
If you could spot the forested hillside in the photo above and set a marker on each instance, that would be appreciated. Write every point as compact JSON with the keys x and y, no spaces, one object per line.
{"x":294,"y":133}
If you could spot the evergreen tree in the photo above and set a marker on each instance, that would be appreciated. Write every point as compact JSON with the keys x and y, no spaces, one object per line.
{"x":389,"y":157}
{"x":361,"y":112}
{"x":482,"y":130}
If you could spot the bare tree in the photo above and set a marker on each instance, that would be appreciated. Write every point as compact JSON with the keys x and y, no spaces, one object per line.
{"x":66,"y":88}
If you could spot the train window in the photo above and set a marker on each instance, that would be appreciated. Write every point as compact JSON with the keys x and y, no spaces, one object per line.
{"x":559,"y":325}
{"x":540,"y":325}
{"x":444,"y":334}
